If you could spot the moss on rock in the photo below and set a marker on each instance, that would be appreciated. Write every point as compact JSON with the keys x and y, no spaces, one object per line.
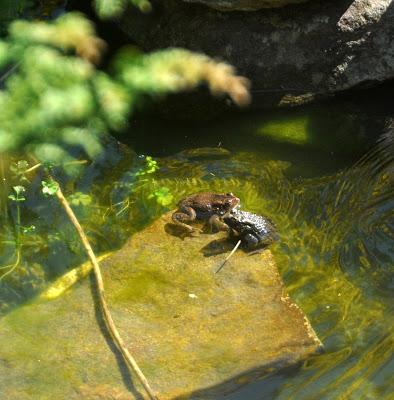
{"x":193,"y":332}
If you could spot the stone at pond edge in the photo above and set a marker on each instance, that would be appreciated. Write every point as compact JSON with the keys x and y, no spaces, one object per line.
{"x":292,"y":55}
{"x":192,"y":332}
{"x":244,"y":5}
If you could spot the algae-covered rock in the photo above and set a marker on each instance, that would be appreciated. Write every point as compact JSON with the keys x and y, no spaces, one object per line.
{"x":193,"y":332}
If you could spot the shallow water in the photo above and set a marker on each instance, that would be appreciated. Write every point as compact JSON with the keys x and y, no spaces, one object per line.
{"x":307,"y":170}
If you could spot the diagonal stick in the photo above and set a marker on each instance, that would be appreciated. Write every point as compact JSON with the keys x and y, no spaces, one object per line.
{"x":227,"y":258}
{"x":100,"y":286}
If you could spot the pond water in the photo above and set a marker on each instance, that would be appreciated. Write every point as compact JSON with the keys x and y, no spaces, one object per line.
{"x":307,"y":169}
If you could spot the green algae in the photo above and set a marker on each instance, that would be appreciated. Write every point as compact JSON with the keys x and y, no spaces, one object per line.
{"x":292,"y":130}
{"x":142,"y":283}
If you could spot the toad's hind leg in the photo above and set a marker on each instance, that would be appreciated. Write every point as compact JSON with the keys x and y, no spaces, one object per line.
{"x":186,"y":215}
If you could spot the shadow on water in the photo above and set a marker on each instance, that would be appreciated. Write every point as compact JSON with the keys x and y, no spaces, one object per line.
{"x":255,"y":384}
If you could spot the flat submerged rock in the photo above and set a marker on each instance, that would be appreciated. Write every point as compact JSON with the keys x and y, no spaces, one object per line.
{"x":194,"y":333}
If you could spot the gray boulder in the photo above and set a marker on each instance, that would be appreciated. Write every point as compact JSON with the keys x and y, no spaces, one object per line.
{"x":292,"y":55}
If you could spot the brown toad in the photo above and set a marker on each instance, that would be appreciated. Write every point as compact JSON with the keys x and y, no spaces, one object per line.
{"x":205,"y":206}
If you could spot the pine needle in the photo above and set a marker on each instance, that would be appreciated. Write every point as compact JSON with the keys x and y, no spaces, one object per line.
{"x":228,"y":257}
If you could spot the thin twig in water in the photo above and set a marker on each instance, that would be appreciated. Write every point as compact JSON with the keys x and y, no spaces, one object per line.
{"x":11,"y":267}
{"x":104,"y":306}
{"x":38,"y":165}
{"x":227,"y":258}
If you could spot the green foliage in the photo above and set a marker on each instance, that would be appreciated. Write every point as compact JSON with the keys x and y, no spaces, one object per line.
{"x":49,"y":188}
{"x":80,"y":199}
{"x":19,"y":169}
{"x":56,"y":101}
{"x":113,"y":8}
{"x":176,"y":70}
{"x":163,"y":196}
{"x":57,"y":107}
{"x":34,"y":239}
{"x":18,"y":196}
{"x":150,"y":167}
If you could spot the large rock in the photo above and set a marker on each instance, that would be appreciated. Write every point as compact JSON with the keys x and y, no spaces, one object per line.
{"x":292,"y":55}
{"x":244,"y":5}
{"x":192,"y":331}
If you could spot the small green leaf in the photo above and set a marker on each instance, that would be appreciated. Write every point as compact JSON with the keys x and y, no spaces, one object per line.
{"x":49,"y":188}
{"x":19,"y":189}
{"x":28,"y":229}
{"x":109,"y":8}
{"x":80,"y":199}
{"x":150,"y":167}
{"x":113,"y":8}
{"x":20,"y":166}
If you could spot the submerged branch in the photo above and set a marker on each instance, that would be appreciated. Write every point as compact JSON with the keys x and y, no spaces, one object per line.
{"x":104,"y":306}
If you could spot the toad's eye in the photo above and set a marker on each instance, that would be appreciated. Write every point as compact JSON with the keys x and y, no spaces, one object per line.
{"x":229,"y":194}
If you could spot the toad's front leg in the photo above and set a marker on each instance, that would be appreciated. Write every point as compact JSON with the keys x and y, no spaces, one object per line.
{"x":216,"y":221}
{"x":251,"y":241}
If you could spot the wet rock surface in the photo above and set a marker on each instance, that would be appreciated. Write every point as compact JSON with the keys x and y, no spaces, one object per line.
{"x":193,"y":332}
{"x":292,"y":55}
{"x":244,"y":5}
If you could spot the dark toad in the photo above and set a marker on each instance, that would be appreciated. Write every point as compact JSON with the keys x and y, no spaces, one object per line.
{"x":253,"y":230}
{"x":210,"y":207}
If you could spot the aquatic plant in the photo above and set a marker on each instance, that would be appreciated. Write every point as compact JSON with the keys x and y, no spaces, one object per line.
{"x":113,"y":8}
{"x":72,"y":104}
{"x":17,"y":197}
